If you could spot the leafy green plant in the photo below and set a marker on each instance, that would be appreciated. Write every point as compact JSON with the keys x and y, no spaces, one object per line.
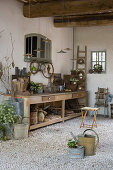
{"x":33,"y":68}
{"x":7,"y":114}
{"x":72,"y":143}
{"x":4,"y":130}
{"x":74,"y":80}
{"x":8,"y":117}
{"x":35,"y":86}
{"x":97,"y":68}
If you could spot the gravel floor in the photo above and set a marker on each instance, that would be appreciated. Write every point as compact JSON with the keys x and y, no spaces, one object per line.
{"x":46,"y":149}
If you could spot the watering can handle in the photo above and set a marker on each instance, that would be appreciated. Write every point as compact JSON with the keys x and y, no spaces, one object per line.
{"x":95,"y":134}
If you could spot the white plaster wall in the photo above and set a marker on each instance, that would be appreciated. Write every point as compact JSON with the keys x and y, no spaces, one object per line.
{"x":97,"y":38}
{"x":12,"y":20}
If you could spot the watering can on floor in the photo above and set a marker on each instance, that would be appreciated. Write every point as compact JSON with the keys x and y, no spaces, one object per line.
{"x":89,"y":142}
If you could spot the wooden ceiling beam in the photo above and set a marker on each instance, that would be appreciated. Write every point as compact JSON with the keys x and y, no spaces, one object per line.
{"x":86,"y":20}
{"x":68,"y":7}
{"x":37,"y":1}
{"x":40,"y":1}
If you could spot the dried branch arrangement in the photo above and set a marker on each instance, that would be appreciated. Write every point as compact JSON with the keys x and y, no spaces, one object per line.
{"x":5,"y":68}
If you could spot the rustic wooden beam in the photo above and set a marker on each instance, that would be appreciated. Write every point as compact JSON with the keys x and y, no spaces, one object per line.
{"x":86,"y":20}
{"x":36,"y":1}
{"x":68,"y":7}
{"x":26,"y":1}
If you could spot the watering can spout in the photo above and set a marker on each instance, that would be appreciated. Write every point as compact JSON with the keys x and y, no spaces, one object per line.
{"x":74,"y":137}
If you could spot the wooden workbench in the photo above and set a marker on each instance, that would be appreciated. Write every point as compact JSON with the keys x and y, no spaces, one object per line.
{"x":45,"y":98}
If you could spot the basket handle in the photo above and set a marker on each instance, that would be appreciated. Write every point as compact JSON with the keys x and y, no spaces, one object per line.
{"x":95,"y":134}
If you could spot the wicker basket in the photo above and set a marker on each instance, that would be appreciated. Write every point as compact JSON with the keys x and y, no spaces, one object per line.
{"x":33,"y":118}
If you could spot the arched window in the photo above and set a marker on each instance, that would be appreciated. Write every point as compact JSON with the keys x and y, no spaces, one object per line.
{"x":37,"y":48}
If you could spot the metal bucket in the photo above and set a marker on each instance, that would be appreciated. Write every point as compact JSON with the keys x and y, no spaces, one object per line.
{"x":89,"y":142}
{"x":20,"y":131}
{"x":76,"y":152}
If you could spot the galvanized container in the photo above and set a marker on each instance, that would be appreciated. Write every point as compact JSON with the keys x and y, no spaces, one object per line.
{"x":20,"y":131}
{"x":76,"y":152}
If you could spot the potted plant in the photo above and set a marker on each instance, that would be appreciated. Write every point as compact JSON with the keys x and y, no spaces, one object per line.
{"x":36,"y":87}
{"x":8,"y":117}
{"x":97,"y":68}
{"x":75,"y":151}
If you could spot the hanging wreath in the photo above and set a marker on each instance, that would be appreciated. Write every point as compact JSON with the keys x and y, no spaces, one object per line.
{"x":34,"y":67}
{"x":81,"y":75}
{"x":80,"y":61}
{"x":47,"y":69}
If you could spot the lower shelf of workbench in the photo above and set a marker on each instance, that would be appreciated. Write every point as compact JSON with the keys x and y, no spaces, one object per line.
{"x":52,"y":121}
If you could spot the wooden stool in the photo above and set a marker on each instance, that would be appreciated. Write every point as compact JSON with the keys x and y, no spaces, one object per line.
{"x":86,"y":109}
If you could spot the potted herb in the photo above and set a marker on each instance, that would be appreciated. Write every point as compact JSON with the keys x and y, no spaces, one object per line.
{"x":8,"y":117}
{"x":75,"y":151}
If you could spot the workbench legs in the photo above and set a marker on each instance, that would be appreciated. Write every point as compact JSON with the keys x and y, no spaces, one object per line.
{"x":63,"y":110}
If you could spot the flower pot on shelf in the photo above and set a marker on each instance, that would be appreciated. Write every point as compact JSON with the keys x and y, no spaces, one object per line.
{"x":98,"y":68}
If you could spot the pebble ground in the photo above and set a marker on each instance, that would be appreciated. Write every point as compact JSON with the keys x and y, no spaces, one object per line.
{"x":46,"y":148}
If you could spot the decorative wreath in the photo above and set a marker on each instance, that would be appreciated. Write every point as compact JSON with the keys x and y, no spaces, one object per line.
{"x":80,"y":61}
{"x":34,"y":67}
{"x":81,"y":75}
{"x":47,"y":69}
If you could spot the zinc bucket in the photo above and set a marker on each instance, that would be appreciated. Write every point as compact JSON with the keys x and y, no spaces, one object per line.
{"x":89,"y":142}
{"x":20,"y":131}
{"x":77,"y":153}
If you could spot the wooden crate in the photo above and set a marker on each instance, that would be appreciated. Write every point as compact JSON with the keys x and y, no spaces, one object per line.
{"x":57,"y":75}
{"x":81,"y":86}
{"x":72,"y":87}
{"x":67,"y":79}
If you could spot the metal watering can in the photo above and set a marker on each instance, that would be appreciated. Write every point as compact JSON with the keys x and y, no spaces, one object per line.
{"x":89,"y":142}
